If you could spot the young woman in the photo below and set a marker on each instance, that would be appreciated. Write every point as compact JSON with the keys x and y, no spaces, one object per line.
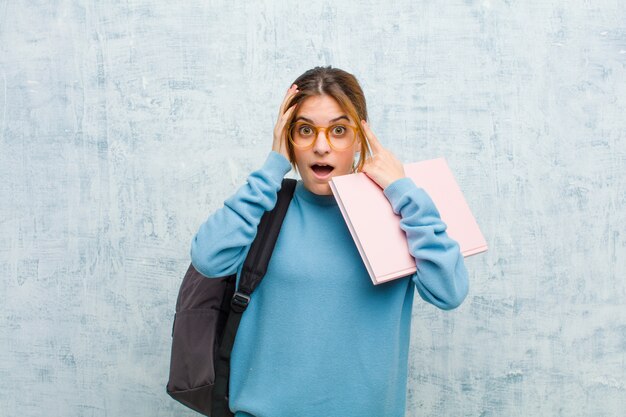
{"x":318,"y":338}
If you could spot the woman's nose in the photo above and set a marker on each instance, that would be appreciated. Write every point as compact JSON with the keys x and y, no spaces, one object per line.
{"x":321,"y":144}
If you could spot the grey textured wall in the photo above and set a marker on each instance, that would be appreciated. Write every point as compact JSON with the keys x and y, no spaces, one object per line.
{"x":124,"y":124}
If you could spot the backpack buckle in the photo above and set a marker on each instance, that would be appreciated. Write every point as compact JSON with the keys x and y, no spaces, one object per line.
{"x":239,"y":302}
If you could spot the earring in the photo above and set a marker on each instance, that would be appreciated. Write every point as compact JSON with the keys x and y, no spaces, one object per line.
{"x":355,"y":161}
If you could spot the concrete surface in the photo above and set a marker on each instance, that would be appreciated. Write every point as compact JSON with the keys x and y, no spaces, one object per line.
{"x":124,"y":124}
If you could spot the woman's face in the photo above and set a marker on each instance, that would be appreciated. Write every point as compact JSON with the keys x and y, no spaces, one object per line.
{"x":323,"y":111}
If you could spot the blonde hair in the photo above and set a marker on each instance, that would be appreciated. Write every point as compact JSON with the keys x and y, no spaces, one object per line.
{"x":340,"y":85}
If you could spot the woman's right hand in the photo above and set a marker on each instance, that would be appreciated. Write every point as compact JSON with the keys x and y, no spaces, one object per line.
{"x":280,"y":139}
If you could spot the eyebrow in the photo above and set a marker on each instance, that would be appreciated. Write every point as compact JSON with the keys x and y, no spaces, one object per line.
{"x":343,"y":116}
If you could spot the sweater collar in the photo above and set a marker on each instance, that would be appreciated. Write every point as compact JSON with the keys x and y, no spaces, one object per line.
{"x":317,"y":199}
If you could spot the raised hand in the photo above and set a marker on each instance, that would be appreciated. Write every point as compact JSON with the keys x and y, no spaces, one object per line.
{"x":382,"y":167}
{"x":280,"y":139}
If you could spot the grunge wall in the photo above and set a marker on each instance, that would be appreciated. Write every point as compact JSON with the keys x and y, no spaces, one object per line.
{"x":123,"y":125}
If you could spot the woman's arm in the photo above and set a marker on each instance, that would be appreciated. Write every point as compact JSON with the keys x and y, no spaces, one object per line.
{"x":220,"y":246}
{"x":441,"y":278}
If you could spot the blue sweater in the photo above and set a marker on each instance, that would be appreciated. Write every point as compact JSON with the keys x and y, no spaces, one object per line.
{"x":318,"y":338}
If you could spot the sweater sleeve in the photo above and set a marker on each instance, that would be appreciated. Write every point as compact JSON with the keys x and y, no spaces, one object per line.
{"x":220,"y":245}
{"x":441,"y":277}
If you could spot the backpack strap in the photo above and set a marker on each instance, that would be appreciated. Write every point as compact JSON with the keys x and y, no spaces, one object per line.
{"x":253,"y":271}
{"x":255,"y":265}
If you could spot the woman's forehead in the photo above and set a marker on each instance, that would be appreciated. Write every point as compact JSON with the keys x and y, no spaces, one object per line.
{"x":321,"y":109}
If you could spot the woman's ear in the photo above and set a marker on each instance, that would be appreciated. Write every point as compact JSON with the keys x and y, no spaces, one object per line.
{"x":357,"y":144}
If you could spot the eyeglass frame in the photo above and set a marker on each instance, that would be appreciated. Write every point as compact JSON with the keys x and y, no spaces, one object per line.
{"x":355,"y":129}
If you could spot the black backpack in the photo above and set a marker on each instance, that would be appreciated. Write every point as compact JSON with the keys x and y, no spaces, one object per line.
{"x":208,"y":312}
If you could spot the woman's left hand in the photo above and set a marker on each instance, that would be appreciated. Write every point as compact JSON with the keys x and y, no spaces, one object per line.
{"x":383,"y":167}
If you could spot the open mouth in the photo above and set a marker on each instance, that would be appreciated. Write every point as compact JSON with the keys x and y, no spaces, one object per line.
{"x":322,"y":171}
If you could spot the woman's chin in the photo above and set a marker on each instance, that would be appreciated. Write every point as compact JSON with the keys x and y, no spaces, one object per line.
{"x":318,"y":187}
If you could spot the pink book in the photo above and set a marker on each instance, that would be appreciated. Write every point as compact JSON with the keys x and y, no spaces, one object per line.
{"x":376,"y":230}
